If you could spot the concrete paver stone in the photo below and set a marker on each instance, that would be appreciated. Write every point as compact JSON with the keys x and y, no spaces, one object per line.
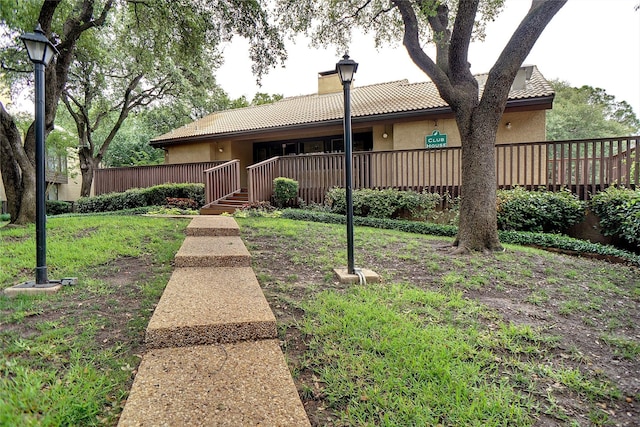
{"x":206,"y":305}
{"x":212,"y":358}
{"x":208,"y":251}
{"x":240,"y":384}
{"x":213,"y":225}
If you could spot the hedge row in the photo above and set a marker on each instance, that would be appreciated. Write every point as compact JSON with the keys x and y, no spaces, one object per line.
{"x":543,"y":240}
{"x":619,"y":212}
{"x":389,"y":203}
{"x":140,"y":197}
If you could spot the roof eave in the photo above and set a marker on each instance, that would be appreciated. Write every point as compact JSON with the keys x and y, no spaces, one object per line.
{"x":544,"y":102}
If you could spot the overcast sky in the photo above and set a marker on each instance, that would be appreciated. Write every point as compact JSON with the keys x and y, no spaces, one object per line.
{"x":589,"y":42}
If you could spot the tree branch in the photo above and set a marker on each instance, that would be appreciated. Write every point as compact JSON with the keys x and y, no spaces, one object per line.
{"x":459,"y":68}
{"x":503,"y":72}
{"x":411,"y":41}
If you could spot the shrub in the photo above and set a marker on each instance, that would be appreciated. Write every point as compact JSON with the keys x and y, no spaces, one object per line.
{"x":257,"y":209}
{"x":619,"y":213}
{"x":181,"y":203}
{"x":538,"y":211}
{"x":58,"y":207}
{"x":631,"y":222}
{"x":388,"y":203}
{"x":140,"y":197}
{"x":284,"y":190}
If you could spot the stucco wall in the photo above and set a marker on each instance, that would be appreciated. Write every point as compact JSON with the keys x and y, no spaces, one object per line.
{"x":71,"y":190}
{"x":243,"y":151}
{"x":528,"y":126}
{"x":189,"y":153}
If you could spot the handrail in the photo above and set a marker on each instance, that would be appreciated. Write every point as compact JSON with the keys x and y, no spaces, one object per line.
{"x":222,"y":181}
{"x":260,"y":179}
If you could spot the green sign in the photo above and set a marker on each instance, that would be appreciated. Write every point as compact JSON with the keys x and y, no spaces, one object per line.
{"x":436,"y":140}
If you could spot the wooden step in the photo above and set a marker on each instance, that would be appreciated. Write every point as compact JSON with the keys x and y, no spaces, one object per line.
{"x":227,"y":205}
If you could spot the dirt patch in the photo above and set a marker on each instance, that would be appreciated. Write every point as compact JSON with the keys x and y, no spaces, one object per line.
{"x":584,"y":304}
{"x":112,"y":299}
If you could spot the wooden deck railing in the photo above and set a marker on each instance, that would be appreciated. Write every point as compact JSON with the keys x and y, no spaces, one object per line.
{"x":584,"y":167}
{"x":260,"y":179}
{"x":111,"y":180}
{"x":222,"y":181}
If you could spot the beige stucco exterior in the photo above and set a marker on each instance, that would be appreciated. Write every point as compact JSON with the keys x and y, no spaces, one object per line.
{"x":515,"y":127}
{"x":71,"y":190}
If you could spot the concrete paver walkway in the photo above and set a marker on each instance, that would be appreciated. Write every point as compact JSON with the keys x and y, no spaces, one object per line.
{"x":214,"y":359}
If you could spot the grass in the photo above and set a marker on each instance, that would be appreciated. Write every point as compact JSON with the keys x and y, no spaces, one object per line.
{"x":507,"y":339}
{"x":388,"y":357}
{"x":69,"y":358}
{"x":516,"y":338}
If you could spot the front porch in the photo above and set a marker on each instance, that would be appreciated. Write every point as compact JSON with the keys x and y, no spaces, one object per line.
{"x":582,"y":166}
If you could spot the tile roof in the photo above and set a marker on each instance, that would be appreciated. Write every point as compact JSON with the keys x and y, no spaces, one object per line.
{"x":366,"y":101}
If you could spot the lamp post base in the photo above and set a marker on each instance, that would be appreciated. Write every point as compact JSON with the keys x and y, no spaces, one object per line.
{"x":361,"y":273}
{"x":31,"y":287}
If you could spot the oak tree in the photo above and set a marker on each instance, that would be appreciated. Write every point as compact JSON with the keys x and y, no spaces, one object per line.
{"x":111,"y":47}
{"x":450,"y":25}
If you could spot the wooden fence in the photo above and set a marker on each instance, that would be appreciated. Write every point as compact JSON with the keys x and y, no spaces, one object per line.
{"x":111,"y":180}
{"x":584,"y":167}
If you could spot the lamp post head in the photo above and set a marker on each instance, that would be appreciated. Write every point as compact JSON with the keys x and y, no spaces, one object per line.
{"x":39,"y":48}
{"x":346,"y":68}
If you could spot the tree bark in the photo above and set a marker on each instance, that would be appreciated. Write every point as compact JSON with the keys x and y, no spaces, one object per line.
{"x":478,"y":217}
{"x":18,"y":171}
{"x":88,"y":164}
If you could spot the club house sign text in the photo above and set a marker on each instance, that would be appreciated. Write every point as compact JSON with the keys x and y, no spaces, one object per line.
{"x":435,"y":140}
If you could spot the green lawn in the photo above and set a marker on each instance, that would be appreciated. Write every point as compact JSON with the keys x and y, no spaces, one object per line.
{"x":70,"y":358}
{"x":447,"y":340}
{"x":511,"y":339}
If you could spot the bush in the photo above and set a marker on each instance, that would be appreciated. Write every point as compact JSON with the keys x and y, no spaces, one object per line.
{"x":140,"y":197}
{"x":619,"y":213}
{"x":538,"y":211}
{"x":58,"y":207}
{"x":284,"y":190}
{"x":181,"y":203}
{"x":389,"y":203}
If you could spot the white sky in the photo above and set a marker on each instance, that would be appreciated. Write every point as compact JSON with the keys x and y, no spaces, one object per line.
{"x":589,"y":42}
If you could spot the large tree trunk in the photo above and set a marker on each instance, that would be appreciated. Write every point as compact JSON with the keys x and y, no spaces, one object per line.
{"x":478,"y":219}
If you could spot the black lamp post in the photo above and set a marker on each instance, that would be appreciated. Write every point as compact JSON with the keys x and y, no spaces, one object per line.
{"x":41,"y":51}
{"x":346,"y":68}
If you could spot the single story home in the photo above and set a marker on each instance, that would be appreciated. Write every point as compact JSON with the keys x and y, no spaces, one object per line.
{"x":387,"y":117}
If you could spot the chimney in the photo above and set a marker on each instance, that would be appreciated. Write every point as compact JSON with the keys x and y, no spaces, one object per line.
{"x":523,"y":76}
{"x":329,"y":82}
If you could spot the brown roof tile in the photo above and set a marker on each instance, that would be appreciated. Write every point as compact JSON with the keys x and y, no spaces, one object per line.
{"x":367,"y":101}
